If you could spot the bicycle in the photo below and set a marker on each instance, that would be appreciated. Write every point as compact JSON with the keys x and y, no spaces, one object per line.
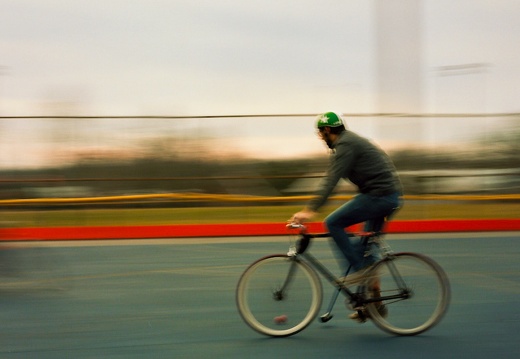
{"x":403,"y":293}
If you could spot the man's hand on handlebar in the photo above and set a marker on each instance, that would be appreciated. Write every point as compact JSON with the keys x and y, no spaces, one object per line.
{"x":303,"y":216}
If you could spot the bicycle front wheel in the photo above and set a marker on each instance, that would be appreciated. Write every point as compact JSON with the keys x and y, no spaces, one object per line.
{"x":414,"y":292}
{"x":279,"y":295}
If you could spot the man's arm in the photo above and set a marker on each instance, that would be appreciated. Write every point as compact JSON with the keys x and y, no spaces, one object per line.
{"x":339,"y":167}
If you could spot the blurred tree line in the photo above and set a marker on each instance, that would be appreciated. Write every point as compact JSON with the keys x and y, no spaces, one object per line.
{"x":496,"y":151}
{"x":168,"y":169}
{"x":111,"y":176}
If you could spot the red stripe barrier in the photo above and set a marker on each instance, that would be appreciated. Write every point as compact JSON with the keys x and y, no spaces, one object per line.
{"x":244,"y":229}
{"x":462,"y":225}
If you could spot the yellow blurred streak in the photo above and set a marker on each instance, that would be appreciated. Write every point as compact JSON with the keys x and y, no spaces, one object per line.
{"x":198,"y":197}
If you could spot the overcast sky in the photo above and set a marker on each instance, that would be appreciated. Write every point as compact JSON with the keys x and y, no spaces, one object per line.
{"x":218,"y":57}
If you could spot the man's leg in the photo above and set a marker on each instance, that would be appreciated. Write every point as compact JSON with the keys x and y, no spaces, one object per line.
{"x":355,"y":211}
{"x":360,"y":209}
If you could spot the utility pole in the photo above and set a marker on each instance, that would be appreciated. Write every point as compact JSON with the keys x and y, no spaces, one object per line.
{"x":398,"y":55}
{"x":399,"y":72}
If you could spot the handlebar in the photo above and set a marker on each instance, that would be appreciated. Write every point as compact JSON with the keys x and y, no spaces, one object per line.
{"x":294,"y":225}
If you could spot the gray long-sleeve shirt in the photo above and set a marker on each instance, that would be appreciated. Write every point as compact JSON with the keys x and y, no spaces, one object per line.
{"x":361,"y":162}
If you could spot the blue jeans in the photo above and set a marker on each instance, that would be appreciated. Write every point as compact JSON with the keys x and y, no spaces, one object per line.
{"x":362,"y":208}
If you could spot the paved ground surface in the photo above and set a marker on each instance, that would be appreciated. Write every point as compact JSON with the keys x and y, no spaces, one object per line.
{"x":175,"y":299}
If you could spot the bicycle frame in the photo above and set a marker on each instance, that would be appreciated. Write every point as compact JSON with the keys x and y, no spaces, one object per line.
{"x":357,"y":301}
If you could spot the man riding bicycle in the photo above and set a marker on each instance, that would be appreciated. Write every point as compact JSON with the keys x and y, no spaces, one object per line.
{"x":356,"y":159}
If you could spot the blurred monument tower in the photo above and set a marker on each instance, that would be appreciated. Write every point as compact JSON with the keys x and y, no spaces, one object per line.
{"x":398,"y":56}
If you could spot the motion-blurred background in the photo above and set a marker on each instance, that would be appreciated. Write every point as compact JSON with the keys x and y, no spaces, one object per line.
{"x":119,"y":105}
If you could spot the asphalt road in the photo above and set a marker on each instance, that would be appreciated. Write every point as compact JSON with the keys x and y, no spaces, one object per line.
{"x":175,"y":299}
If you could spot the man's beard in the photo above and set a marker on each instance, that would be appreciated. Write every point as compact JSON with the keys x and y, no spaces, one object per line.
{"x":329,"y":142}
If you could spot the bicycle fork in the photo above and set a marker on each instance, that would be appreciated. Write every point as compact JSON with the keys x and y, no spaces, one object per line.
{"x":279,"y":293}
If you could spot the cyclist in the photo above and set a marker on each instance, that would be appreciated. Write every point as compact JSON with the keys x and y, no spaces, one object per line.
{"x":356,"y":159}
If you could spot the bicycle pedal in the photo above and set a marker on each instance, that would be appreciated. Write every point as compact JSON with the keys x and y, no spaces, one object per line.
{"x":359,"y":316}
{"x":326,"y":317}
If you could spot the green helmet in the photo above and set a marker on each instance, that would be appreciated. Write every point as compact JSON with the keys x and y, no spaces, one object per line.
{"x":329,"y":119}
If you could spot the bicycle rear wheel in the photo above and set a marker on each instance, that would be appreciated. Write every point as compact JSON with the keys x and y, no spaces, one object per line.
{"x":279,"y":295}
{"x":417,"y":293}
